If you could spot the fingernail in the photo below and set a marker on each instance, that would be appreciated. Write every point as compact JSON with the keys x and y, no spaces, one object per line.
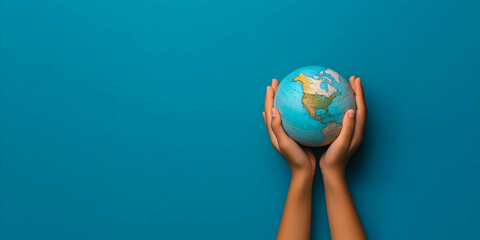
{"x":273,"y":113}
{"x":351,"y":113}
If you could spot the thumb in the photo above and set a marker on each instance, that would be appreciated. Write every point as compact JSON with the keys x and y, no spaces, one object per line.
{"x":277,"y":126}
{"x":348,"y":125}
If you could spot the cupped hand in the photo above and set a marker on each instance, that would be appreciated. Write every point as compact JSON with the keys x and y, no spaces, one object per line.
{"x":300,"y":159}
{"x":336,"y":156}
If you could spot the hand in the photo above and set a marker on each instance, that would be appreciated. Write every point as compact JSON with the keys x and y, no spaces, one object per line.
{"x":300,"y":159}
{"x":336,"y":156}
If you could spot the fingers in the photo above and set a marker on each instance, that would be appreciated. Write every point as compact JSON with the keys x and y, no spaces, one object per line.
{"x":274,"y":84}
{"x":277,"y":128}
{"x":360,"y":115}
{"x":352,"y":83}
{"x":268,"y":115}
{"x":359,"y":95}
{"x":348,"y":125}
{"x":269,"y":104}
{"x":264,"y":119}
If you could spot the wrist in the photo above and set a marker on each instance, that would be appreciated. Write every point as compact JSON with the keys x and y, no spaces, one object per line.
{"x":302,"y":174}
{"x":335,"y":173}
{"x":334,"y":179}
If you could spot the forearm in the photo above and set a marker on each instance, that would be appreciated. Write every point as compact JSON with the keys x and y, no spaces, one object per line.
{"x":296,"y":217}
{"x":342,"y":216}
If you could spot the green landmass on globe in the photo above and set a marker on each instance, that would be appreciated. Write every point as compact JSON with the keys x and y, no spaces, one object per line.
{"x":311,"y":100}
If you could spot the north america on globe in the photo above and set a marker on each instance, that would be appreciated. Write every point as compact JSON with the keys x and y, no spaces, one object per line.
{"x":315,"y":97}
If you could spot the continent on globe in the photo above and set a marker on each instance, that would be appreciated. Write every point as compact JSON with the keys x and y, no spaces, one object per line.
{"x":331,"y":131}
{"x":312,"y":101}
{"x":314,"y":97}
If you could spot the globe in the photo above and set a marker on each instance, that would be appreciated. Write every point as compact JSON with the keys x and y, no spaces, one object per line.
{"x":312,"y":102}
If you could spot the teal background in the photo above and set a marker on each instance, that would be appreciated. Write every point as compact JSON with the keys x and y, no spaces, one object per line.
{"x":142,"y":119}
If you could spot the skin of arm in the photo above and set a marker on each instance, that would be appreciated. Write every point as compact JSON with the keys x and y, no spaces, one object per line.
{"x":343,"y":219}
{"x":296,"y":217}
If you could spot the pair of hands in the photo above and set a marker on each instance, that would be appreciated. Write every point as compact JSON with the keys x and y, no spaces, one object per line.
{"x":300,"y":158}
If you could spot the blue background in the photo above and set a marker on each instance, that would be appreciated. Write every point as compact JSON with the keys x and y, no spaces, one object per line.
{"x":142,"y":119}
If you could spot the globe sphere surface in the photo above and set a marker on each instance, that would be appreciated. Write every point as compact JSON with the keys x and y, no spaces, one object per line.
{"x":312,"y":102}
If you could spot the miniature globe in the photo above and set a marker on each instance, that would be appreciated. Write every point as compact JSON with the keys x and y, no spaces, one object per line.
{"x":312,"y":102}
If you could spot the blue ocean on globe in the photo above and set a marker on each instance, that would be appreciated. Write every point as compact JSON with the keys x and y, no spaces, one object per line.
{"x":312,"y":102}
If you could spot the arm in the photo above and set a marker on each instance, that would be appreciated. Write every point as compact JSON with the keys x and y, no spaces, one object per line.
{"x":296,"y":218}
{"x":342,"y":216}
